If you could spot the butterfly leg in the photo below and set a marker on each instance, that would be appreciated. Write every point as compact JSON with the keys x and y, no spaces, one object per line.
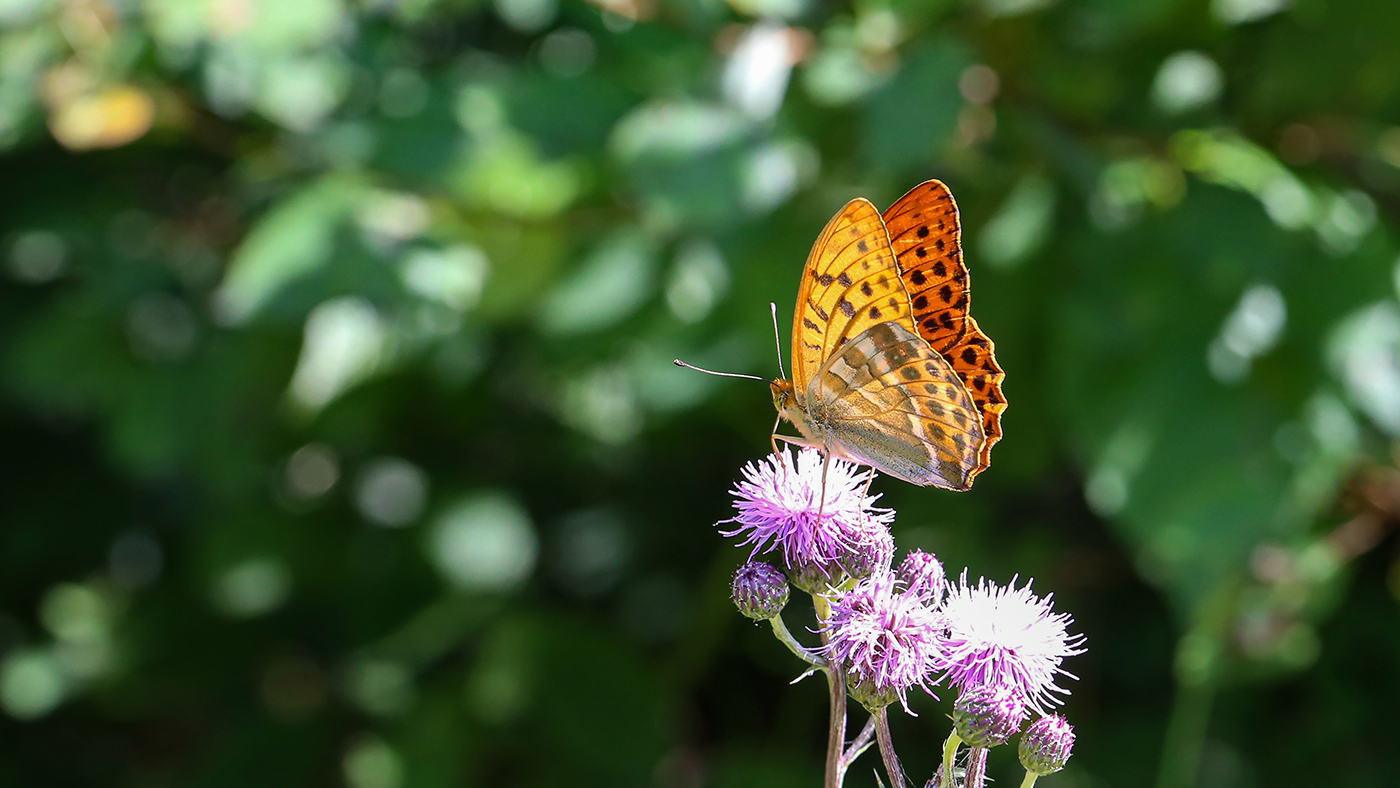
{"x":868,"y":480}
{"x":821,"y":504}
{"x":866,"y":493}
{"x":802,"y":442}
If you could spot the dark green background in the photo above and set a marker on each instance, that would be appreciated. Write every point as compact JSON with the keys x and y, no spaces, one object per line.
{"x":340,"y":443}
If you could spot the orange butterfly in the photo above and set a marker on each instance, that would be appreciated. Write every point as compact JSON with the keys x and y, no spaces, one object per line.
{"x":889,"y":370}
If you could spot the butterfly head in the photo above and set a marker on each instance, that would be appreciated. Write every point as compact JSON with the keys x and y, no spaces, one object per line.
{"x":783,"y":393}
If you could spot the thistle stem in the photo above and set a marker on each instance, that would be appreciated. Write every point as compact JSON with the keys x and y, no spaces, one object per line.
{"x":836,"y":735}
{"x":836,"y":685}
{"x":976,"y":768}
{"x":882,"y":735}
{"x":950,"y":755}
{"x":1030,"y":779}
{"x":861,"y":743}
{"x":785,"y":637}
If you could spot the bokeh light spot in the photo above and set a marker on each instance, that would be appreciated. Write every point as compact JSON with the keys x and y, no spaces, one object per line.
{"x":484,"y":543}
{"x":31,"y":684}
{"x":391,"y":492}
{"x":252,"y":588}
{"x":1186,"y":81}
{"x":38,"y":256}
{"x":371,"y":763}
{"x":311,"y":471}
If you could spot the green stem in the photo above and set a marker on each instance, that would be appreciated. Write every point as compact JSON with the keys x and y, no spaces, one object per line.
{"x":1030,"y":779}
{"x":785,"y":637}
{"x":882,"y":735}
{"x":1186,"y":734}
{"x":950,"y":755}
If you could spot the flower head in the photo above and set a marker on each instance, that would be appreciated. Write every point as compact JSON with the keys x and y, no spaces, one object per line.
{"x":1046,"y":745}
{"x":888,"y":642}
{"x":922,"y":573}
{"x":988,"y":715}
{"x":759,"y":590}
{"x":1006,"y":635}
{"x":778,"y":503}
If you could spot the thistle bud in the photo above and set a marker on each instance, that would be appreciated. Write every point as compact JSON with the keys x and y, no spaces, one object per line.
{"x":1046,"y":745}
{"x":988,"y":715}
{"x":815,"y":577}
{"x":759,"y":590}
{"x":872,"y":552}
{"x":922,"y":574}
{"x":869,"y":693}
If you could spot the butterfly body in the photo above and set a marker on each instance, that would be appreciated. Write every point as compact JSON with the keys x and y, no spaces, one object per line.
{"x":868,"y":384}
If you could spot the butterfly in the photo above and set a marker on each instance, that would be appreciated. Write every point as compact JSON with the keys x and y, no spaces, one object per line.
{"x":888,"y":368}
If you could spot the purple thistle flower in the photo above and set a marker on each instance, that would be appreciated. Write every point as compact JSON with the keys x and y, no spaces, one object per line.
{"x":1006,"y":635}
{"x":778,"y":501}
{"x":922,"y":574}
{"x":888,"y":642}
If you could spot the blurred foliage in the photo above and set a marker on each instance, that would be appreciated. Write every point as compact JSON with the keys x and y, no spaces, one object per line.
{"x":341,"y":443}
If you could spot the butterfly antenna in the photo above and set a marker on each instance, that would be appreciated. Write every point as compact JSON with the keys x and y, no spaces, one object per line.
{"x":680,"y":363}
{"x":777,"y":339}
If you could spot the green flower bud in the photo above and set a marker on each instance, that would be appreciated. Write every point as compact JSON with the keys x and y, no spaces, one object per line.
{"x":1046,"y":745}
{"x":988,"y":715}
{"x":759,"y":590}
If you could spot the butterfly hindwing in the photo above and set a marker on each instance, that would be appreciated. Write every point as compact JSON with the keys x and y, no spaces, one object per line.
{"x":850,"y":282}
{"x":974,"y":362}
{"x":896,"y":404}
{"x":926,"y":235}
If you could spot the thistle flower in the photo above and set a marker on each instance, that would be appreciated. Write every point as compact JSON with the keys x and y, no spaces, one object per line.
{"x":759,"y":590}
{"x":988,"y":715}
{"x":1046,"y":745}
{"x":887,"y":642}
{"x":922,"y":574}
{"x":779,"y":499}
{"x":1006,"y":635}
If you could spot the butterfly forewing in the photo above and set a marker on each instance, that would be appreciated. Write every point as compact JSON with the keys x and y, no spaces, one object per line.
{"x":926,"y":235}
{"x":893,"y":402}
{"x":850,"y":282}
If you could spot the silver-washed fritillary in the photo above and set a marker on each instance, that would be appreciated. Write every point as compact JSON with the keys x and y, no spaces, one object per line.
{"x":888,"y":368}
